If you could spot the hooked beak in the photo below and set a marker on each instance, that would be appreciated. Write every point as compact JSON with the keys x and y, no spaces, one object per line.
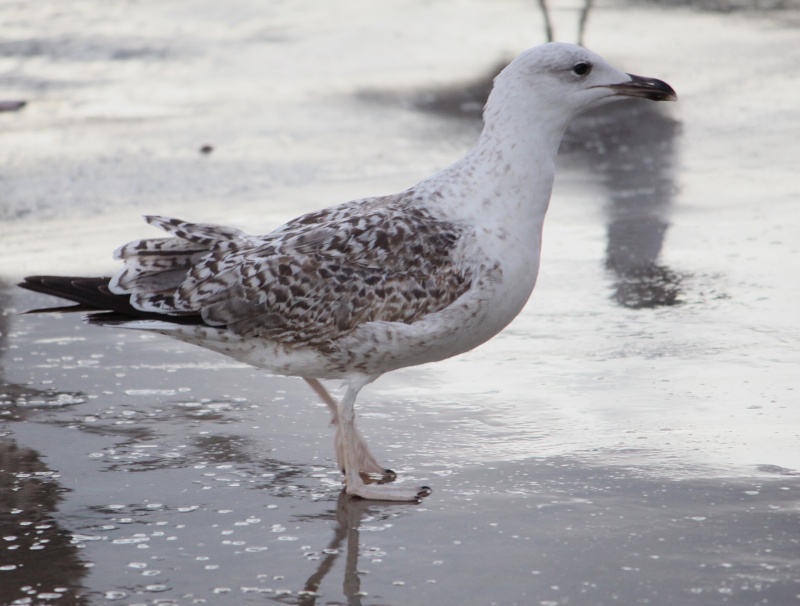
{"x":647,"y":88}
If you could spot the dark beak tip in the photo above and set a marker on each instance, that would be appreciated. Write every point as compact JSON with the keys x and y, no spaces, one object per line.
{"x":664,"y":92}
{"x":665,"y":96}
{"x":647,"y":88}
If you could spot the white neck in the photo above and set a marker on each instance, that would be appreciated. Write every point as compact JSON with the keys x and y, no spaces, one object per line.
{"x":508,"y":175}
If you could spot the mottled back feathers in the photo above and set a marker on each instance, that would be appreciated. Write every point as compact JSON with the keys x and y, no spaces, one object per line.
{"x":310,"y":282}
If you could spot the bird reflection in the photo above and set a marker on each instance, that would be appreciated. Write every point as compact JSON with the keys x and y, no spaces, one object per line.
{"x":349,"y":515}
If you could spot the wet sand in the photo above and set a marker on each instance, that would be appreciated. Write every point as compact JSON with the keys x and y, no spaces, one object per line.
{"x":632,"y":438}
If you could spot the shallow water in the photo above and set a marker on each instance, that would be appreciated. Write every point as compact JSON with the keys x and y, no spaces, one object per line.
{"x":631,"y":438}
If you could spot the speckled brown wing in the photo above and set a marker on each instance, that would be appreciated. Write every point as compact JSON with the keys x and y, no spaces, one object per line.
{"x":323,"y":274}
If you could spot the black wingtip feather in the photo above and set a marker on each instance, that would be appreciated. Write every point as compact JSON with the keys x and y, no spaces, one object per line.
{"x":93,"y":295}
{"x":88,"y":293}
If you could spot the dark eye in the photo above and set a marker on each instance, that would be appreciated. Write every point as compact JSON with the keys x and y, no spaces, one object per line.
{"x":581,"y":68}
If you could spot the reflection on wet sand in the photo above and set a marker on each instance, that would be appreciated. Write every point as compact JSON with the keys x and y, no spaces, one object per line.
{"x":16,"y":399}
{"x":38,"y":560}
{"x":633,"y":148}
{"x":350,"y":514}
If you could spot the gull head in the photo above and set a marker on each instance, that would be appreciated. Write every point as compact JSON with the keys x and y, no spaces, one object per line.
{"x":557,"y":81}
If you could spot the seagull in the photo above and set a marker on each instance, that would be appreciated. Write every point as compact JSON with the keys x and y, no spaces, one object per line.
{"x":356,"y":290}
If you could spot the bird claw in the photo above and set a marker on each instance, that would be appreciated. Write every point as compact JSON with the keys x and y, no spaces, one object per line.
{"x":387,"y":476}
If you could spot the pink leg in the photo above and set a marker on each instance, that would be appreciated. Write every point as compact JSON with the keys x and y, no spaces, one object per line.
{"x":320,"y":390}
{"x":366,"y":462}
{"x":353,"y":450}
